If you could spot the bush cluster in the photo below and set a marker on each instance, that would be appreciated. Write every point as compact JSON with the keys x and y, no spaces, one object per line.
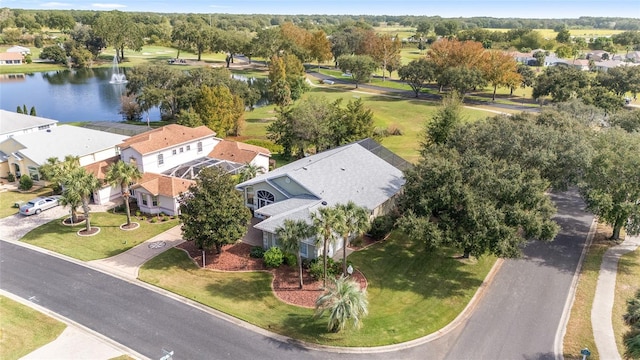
{"x":257,"y":252}
{"x":381,"y":227}
{"x":316,"y":268}
{"x":25,"y":182}
{"x":273,"y":257}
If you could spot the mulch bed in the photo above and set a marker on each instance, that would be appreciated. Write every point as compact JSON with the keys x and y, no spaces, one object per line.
{"x":94,"y":230}
{"x":79,"y":220}
{"x":285,"y":278}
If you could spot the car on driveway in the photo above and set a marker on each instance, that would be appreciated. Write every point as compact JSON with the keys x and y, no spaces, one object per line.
{"x":38,"y":205}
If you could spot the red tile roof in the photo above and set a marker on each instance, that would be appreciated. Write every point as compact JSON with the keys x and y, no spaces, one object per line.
{"x":99,"y":169}
{"x":165,"y":137}
{"x":10,"y":56}
{"x":237,"y":152}
{"x":158,"y":184}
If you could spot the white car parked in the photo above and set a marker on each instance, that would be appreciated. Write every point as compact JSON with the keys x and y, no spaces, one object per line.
{"x":37,"y":205}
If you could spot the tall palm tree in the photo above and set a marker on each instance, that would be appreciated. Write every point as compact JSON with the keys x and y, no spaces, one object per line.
{"x":289,"y":237}
{"x":123,"y":174}
{"x":355,"y":223}
{"x":79,"y":184}
{"x":345,"y":302}
{"x":325,"y":222}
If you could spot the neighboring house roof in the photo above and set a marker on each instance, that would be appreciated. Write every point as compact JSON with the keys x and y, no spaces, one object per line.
{"x":363,"y":172}
{"x":165,"y":137}
{"x":608,"y":64}
{"x":64,"y":140}
{"x":10,"y":56}
{"x":580,"y":62}
{"x":100,"y":168}
{"x":19,"y":49}
{"x":12,"y":121}
{"x":163,"y":185}
{"x":237,"y":152}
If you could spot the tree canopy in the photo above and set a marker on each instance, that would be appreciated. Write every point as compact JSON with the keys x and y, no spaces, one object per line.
{"x":212,"y":211}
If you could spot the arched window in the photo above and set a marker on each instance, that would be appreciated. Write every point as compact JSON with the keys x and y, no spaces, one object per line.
{"x":265,"y":198}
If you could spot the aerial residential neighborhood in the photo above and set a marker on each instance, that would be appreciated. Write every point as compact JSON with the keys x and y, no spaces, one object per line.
{"x":296,"y":180}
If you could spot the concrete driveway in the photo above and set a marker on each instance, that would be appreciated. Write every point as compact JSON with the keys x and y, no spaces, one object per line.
{"x":14,"y":227}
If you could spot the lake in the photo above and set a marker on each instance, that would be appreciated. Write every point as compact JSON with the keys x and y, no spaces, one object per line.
{"x":66,"y":95}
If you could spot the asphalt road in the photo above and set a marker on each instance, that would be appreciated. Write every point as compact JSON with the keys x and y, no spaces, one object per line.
{"x":520,"y":313}
{"x":516,"y":319}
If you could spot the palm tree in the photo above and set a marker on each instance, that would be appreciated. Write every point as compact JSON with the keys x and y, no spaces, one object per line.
{"x":345,"y":301}
{"x":290,"y":236}
{"x":55,"y":170}
{"x":123,"y":174}
{"x":355,"y":223}
{"x":79,"y":184}
{"x":250,"y":171}
{"x":325,"y":222}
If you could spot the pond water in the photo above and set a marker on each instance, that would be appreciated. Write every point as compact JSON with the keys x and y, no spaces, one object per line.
{"x":67,"y":95}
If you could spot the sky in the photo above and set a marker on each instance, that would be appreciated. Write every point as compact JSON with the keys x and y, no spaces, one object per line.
{"x":445,"y":8}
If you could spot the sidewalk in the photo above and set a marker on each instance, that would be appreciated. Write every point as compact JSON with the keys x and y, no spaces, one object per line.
{"x":601,"y":319}
{"x":128,"y":263}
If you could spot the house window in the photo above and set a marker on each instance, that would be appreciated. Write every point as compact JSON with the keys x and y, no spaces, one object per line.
{"x":181,"y":150}
{"x":250,"y":195}
{"x":154,"y":201}
{"x":144,"y":200}
{"x":173,"y":152}
{"x":188,"y":147}
{"x":303,"y":250}
{"x":265,"y":198}
{"x":160,"y":159}
{"x":199,"y":146}
{"x":43,"y":127}
{"x":133,"y":161}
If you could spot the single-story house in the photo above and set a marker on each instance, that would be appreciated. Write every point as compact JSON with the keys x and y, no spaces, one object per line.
{"x":363,"y":172}
{"x":13,"y":123}
{"x":580,"y":64}
{"x":25,"y":153}
{"x":633,"y":56}
{"x":20,"y":50}
{"x":609,"y":64}
{"x":157,"y":193}
{"x":8,"y":58}
{"x":597,"y":55}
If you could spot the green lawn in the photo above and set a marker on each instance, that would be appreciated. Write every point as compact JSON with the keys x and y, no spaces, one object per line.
{"x":8,"y":198}
{"x":412,"y":293}
{"x":409,"y":115}
{"x":627,"y":284}
{"x":23,"y":330}
{"x":109,"y":242}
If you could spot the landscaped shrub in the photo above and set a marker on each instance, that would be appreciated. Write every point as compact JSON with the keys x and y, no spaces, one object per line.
{"x":269,"y":145}
{"x":11,"y":177}
{"x":290,"y":259}
{"x":273,"y":257}
{"x":316,"y":268}
{"x":25,"y":182}
{"x":381,"y":226}
{"x":257,"y":252}
{"x":153,"y":220}
{"x":394,"y":130}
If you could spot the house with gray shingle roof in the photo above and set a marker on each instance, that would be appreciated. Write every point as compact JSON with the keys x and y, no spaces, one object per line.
{"x":363,"y":172}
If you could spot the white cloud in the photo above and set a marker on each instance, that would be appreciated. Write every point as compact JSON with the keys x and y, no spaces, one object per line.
{"x":219,"y":6}
{"x":108,"y":6}
{"x":54,"y":4}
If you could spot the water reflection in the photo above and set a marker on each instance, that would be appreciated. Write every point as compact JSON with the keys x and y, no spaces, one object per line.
{"x":67,"y":95}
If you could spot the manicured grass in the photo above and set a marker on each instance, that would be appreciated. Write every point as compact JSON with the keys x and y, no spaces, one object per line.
{"x":409,"y":115}
{"x":8,"y":198}
{"x":411,"y":293}
{"x":23,"y":330}
{"x":579,"y":331}
{"x":109,"y":242}
{"x":627,"y":285}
